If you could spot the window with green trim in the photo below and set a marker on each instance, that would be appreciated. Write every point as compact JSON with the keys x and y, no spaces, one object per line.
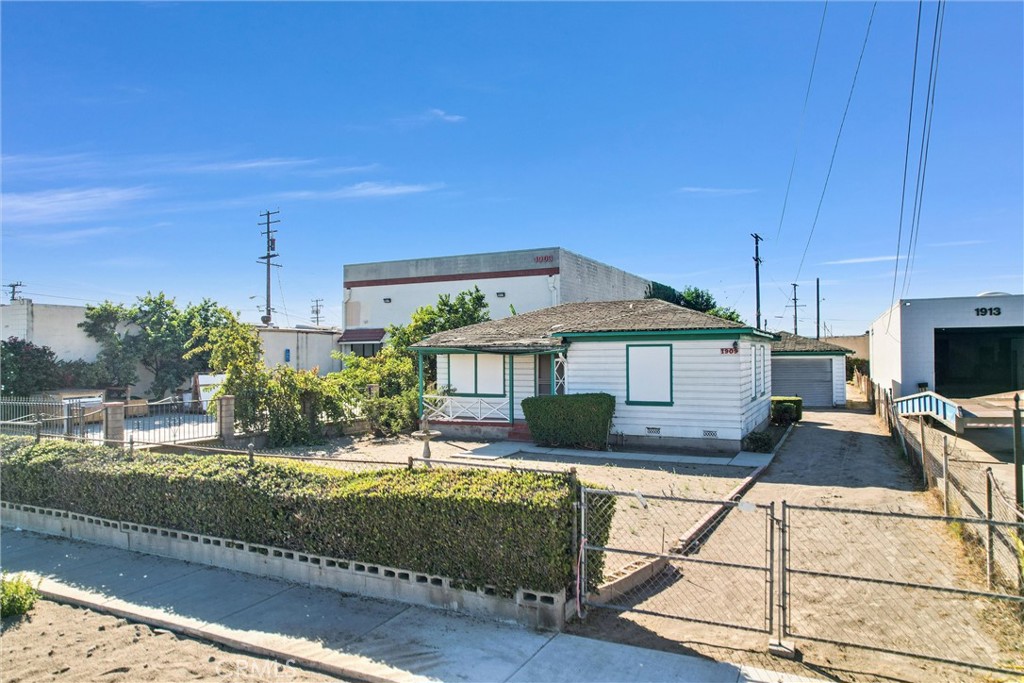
{"x":649,"y":374}
{"x":476,"y":374}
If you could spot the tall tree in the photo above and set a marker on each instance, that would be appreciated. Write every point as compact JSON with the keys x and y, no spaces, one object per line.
{"x":26,"y":368}
{"x":466,"y":308}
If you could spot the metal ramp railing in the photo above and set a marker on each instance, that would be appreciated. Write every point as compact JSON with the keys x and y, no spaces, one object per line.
{"x":946,"y":411}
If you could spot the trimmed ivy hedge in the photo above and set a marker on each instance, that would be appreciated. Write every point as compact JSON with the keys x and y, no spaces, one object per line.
{"x":483,"y":527}
{"x":570,"y":421}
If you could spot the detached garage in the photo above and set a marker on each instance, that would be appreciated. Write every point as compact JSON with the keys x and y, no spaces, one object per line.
{"x":809,"y":368}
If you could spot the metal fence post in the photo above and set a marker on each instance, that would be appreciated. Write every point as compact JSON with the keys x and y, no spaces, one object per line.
{"x":924,"y":452}
{"x":945,"y":475}
{"x":131,"y":445}
{"x":1018,"y":455}
{"x":252,"y":459}
{"x":772,"y":523}
{"x":581,"y":589}
{"x":783,"y":582}
{"x":39,"y":431}
{"x":989,"y":536}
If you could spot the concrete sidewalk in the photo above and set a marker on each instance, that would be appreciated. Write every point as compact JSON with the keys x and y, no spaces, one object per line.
{"x":340,"y":634}
{"x":509,"y":449}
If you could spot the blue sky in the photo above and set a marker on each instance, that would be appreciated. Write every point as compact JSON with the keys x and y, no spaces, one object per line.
{"x":141,"y":141}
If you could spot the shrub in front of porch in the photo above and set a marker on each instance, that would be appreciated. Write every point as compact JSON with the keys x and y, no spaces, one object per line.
{"x":570,"y":421}
{"x":508,"y":529}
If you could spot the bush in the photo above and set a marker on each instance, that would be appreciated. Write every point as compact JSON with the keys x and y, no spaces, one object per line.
{"x":17,"y":595}
{"x":860,"y":364}
{"x":758,"y":442}
{"x":391,"y":415}
{"x":795,"y":413}
{"x":484,"y":527}
{"x":571,"y":421}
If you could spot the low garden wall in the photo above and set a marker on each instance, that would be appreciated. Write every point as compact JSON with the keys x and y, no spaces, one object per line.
{"x":462,"y":539}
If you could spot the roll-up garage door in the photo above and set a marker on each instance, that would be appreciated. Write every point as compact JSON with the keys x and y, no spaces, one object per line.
{"x":809,"y":378}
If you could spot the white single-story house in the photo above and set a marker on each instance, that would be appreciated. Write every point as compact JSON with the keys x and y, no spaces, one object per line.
{"x":813,"y":369}
{"x":680,"y":378}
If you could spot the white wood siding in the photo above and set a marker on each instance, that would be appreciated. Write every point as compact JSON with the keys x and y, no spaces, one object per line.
{"x":711,"y":390}
{"x":442,"y":373}
{"x":525,"y":382}
{"x":839,"y":380}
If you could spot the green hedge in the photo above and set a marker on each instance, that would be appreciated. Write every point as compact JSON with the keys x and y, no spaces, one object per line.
{"x":797,"y":402}
{"x":484,"y":527}
{"x":570,"y":421}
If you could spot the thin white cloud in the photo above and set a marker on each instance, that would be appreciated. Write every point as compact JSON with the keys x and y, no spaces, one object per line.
{"x":342,"y":170}
{"x":65,"y":238}
{"x":271,"y":163}
{"x":863,"y":259}
{"x":427,"y":117}
{"x":714,"y":191}
{"x":67,"y":204}
{"x":961,"y":243}
{"x":361,"y":190}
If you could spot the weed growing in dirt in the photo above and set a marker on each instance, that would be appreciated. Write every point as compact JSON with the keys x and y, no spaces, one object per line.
{"x":17,"y":595}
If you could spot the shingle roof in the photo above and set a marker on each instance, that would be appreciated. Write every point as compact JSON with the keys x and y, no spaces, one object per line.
{"x":794,"y":343}
{"x":539,"y":330}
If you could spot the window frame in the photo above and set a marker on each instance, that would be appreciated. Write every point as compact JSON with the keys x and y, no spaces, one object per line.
{"x":671,"y":376}
{"x":476,"y":376}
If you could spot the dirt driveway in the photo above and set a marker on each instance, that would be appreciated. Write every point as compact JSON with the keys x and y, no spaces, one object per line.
{"x":834,"y":458}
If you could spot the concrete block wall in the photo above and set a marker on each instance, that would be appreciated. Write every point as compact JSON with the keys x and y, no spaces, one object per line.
{"x":535,"y":609}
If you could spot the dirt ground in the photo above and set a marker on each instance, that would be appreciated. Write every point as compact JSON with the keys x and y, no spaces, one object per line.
{"x":62,"y":643}
{"x":835,"y":458}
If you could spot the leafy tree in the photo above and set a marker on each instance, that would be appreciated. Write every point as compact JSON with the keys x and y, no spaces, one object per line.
{"x":26,"y":368}
{"x":698,"y":299}
{"x":467,"y":308}
{"x":692,"y":297}
{"x":155,"y":333}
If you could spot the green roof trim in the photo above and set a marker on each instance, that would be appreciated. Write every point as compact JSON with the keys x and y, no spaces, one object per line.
{"x":720,"y":333}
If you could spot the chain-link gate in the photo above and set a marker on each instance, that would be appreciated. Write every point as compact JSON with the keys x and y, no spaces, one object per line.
{"x":909,"y":584}
{"x":706,"y":561}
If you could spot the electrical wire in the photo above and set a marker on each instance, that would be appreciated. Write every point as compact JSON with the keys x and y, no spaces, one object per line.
{"x":839,"y":135}
{"x":906,"y":161}
{"x":933,"y":78}
{"x":800,"y":128}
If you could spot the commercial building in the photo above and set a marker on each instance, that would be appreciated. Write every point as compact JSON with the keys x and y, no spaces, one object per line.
{"x":388,"y":292}
{"x":959,"y":347}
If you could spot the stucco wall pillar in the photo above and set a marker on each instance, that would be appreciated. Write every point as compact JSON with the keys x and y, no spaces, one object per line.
{"x":113,"y":423}
{"x":226,"y":418}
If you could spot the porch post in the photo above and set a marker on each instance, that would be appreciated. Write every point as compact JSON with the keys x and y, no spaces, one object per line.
{"x":551,"y":358}
{"x":511,"y":389}
{"x":419,"y":371}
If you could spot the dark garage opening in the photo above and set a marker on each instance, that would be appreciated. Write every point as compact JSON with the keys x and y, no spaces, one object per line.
{"x":978,"y":361}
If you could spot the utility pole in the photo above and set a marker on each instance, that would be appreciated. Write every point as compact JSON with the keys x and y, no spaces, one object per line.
{"x":315,"y":310}
{"x":795,"y":307}
{"x":14,"y":289}
{"x":817,"y":309}
{"x":757,"y":281}
{"x":269,"y":256}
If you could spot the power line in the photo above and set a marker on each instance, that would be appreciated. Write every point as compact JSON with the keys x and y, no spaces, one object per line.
{"x":933,"y":78}
{"x":800,"y":128}
{"x":839,"y":135}
{"x":269,"y":257}
{"x":906,"y":158}
{"x":318,"y":305}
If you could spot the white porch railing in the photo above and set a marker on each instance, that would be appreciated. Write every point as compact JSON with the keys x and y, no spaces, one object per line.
{"x":469,"y":408}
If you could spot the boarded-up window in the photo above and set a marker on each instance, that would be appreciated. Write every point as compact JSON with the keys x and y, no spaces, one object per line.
{"x":482,"y":374}
{"x":649,"y":374}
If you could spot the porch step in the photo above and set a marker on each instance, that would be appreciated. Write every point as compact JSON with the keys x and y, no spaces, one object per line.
{"x":520,"y":432}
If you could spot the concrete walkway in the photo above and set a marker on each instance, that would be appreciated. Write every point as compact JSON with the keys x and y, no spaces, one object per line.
{"x":509,"y":449}
{"x":340,"y":634}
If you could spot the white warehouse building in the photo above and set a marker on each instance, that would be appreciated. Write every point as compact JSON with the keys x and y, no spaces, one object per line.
{"x":958,"y":347}
{"x":388,"y":292}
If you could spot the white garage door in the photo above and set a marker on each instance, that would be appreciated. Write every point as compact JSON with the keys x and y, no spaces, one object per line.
{"x":809,"y":378}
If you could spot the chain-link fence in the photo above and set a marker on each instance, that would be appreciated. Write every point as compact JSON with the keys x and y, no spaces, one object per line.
{"x":899,"y":583}
{"x":707,"y":561}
